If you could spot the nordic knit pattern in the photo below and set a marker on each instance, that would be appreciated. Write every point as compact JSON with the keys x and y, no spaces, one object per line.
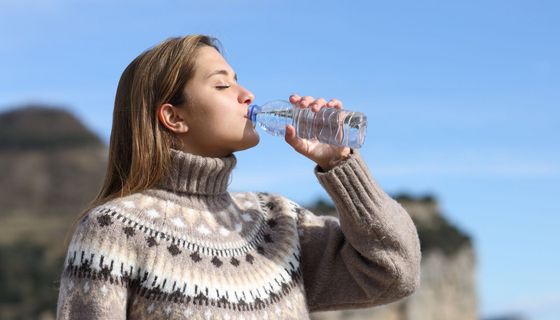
{"x":189,"y":249}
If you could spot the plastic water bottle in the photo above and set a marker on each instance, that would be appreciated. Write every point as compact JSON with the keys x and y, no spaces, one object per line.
{"x":329,"y":125}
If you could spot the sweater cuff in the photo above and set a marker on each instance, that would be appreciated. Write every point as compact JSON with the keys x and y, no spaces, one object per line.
{"x":350,"y":183}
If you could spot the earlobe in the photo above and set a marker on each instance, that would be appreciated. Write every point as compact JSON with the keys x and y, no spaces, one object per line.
{"x":169,"y":117}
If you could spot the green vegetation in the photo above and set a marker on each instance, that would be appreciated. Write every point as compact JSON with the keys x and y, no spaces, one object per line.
{"x":443,"y":236}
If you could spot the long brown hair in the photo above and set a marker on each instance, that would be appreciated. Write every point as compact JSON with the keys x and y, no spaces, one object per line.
{"x":139,"y":148}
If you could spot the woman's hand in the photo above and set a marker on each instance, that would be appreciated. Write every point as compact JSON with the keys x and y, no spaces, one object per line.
{"x":325,"y":155}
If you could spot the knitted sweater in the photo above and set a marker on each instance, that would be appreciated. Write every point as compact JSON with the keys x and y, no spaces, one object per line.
{"x":189,"y":249}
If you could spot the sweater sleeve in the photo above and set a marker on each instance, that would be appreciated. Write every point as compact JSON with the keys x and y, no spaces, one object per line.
{"x":89,"y":287}
{"x":369,"y":255}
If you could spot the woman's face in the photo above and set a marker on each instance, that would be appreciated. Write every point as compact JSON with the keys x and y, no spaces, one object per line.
{"x":216,"y":109}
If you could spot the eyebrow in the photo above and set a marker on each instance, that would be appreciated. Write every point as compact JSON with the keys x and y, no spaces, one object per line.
{"x":224,"y":72}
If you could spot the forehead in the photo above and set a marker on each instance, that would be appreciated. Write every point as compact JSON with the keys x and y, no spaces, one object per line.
{"x":208,"y":60}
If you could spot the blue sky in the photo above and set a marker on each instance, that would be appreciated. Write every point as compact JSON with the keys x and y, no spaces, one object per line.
{"x":462,"y":100}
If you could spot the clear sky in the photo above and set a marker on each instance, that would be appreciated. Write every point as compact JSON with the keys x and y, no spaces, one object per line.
{"x":462,"y":99}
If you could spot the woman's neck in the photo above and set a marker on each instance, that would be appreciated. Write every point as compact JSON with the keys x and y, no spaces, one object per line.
{"x":198,"y":175}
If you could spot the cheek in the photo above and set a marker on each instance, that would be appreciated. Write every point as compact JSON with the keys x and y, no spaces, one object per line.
{"x":217,"y":120}
{"x":238,"y":129}
{"x":223,"y":126}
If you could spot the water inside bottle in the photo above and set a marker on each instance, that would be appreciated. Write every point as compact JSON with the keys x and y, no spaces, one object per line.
{"x":275,"y":121}
{"x":333,"y":126}
{"x":328,"y":125}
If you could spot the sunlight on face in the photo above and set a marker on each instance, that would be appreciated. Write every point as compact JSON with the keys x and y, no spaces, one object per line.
{"x":217,"y":108}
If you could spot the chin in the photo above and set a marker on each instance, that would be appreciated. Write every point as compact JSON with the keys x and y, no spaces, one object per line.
{"x":249,"y":142}
{"x":253,"y":142}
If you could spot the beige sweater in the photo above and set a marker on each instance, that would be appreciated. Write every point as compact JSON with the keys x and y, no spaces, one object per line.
{"x":189,"y":249}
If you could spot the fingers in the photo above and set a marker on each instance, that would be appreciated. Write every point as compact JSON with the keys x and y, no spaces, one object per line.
{"x":314,"y":104}
{"x":335,"y":103}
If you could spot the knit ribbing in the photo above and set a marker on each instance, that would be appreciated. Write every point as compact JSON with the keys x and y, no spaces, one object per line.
{"x":197,"y":175}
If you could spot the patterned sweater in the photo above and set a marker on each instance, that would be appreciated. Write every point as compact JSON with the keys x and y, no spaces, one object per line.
{"x":189,"y":249}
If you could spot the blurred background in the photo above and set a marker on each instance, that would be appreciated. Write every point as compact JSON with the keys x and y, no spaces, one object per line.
{"x":462,"y":99}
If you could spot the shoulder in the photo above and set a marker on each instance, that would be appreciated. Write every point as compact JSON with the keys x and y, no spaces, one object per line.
{"x":116,"y":226}
{"x":275,"y":205}
{"x":107,"y":214}
{"x":101,"y":223}
{"x":103,"y":244}
{"x":270,"y":202}
{"x":304,"y":217}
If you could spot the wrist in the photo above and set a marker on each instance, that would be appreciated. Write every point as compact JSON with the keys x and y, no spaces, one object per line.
{"x":335,"y":161}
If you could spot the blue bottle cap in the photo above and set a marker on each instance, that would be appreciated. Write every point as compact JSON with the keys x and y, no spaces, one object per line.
{"x":252,"y":113}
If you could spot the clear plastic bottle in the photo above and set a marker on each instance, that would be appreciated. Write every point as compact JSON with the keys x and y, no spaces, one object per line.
{"x":329,"y":125}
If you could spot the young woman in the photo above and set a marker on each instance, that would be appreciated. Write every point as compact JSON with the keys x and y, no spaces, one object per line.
{"x":164,"y":239}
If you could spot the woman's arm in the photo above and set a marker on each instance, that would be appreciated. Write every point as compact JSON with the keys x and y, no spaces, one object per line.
{"x":367,"y":257}
{"x":371,"y":254}
{"x":82,"y":298}
{"x":91,"y":286}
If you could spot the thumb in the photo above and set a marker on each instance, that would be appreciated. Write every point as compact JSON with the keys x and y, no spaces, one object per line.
{"x":296,"y":142}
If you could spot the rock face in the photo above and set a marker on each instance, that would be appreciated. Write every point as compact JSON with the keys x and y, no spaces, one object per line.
{"x":51,"y":167}
{"x":43,"y":128}
{"x":448,"y":276}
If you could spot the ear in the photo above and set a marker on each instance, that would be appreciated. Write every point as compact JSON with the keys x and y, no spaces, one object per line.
{"x":172,"y":118}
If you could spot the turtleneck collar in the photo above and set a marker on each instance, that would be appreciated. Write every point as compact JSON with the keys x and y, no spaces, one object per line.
{"x":198,"y":175}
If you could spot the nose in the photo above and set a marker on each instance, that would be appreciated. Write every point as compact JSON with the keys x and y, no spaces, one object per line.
{"x":246,"y":97}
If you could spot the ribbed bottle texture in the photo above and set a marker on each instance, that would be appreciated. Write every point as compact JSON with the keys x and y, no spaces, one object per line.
{"x":328,"y":125}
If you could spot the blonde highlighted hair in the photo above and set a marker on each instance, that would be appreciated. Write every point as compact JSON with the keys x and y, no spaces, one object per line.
{"x":139,"y":148}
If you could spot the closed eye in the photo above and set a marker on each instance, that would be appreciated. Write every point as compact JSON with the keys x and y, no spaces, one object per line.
{"x":222,"y":87}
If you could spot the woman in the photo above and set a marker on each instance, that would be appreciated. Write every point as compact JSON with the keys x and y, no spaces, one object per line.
{"x":164,"y":239}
